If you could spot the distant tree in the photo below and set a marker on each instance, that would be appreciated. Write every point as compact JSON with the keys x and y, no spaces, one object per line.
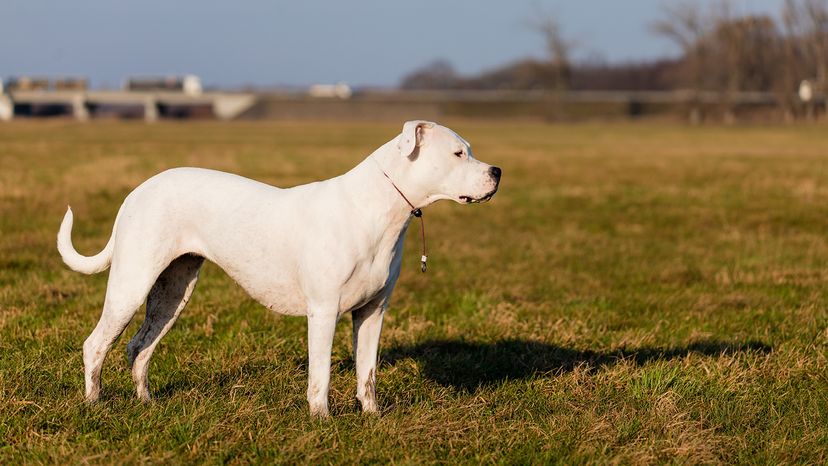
{"x":522,"y":75}
{"x":722,"y":52}
{"x":790,"y":69}
{"x":438,"y":74}
{"x":731,"y":54}
{"x":558,"y":49}
{"x":814,"y":15}
{"x":655,"y":75}
{"x":746,"y":53}
{"x":684,"y":24}
{"x":806,"y":51}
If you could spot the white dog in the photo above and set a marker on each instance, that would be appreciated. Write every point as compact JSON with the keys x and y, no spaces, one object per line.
{"x":318,"y":250}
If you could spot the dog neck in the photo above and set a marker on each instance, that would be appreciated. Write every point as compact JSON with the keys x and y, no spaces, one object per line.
{"x":382,"y":175}
{"x":380,"y":204}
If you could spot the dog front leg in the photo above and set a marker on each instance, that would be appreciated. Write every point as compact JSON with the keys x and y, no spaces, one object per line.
{"x":321,"y":326}
{"x":367,"y":330}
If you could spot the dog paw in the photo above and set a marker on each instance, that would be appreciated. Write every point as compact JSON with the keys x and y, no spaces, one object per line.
{"x":319,"y":412}
{"x":369,"y":406}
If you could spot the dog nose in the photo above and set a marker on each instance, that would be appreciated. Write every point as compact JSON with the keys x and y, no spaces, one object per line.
{"x":495,"y":172}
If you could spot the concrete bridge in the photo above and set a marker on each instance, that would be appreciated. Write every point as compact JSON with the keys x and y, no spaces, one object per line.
{"x":225,"y":105}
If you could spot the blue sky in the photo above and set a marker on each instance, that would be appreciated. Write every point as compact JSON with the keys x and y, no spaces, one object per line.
{"x":362,"y":42}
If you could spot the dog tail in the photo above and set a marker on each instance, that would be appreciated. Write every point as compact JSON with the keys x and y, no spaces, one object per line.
{"x":77,"y":262}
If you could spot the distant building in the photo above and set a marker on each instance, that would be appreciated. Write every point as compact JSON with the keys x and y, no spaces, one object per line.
{"x":188,"y":84}
{"x":70,"y":84}
{"x":30,"y":83}
{"x":26,"y":83}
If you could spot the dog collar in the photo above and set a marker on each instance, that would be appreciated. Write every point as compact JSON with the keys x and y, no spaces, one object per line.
{"x":415,"y":212}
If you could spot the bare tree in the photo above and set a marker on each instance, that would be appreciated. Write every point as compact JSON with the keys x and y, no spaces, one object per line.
{"x":816,"y":12}
{"x":684,"y":24}
{"x":723,"y":52}
{"x":806,"y":24}
{"x":747,"y":51}
{"x":816,"y":43}
{"x":558,"y":48}
{"x":791,"y":69}
{"x":729,"y":36}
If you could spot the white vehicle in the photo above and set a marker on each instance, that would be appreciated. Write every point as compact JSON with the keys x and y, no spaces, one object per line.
{"x":339,"y":90}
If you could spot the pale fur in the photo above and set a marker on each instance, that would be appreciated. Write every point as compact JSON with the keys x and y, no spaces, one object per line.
{"x":318,"y":250}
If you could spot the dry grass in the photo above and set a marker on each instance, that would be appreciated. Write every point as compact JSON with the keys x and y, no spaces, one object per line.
{"x":637,"y":293}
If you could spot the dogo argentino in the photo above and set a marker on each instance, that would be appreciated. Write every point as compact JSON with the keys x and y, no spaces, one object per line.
{"x":318,"y":250}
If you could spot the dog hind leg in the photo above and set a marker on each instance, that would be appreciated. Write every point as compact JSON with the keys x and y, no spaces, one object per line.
{"x":125,"y":292}
{"x":167,"y":298}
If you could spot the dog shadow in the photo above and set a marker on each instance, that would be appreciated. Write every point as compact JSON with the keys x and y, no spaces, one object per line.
{"x":468,"y":366}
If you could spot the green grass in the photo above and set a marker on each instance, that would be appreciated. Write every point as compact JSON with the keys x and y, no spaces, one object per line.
{"x":636,"y":293}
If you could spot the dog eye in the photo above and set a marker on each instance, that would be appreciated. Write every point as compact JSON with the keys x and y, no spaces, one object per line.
{"x":459,"y":153}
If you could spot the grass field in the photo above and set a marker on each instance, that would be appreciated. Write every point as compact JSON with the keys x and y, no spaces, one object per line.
{"x":636,"y":293}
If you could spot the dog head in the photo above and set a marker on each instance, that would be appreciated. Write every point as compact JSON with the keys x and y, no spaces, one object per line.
{"x":438,"y":164}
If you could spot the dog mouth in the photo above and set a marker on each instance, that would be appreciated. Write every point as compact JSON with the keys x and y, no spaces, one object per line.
{"x":477,"y":200}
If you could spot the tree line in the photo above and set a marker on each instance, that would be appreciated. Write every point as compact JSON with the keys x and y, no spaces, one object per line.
{"x":721,"y":52}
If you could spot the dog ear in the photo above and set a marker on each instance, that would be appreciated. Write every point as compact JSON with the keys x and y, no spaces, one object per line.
{"x":412,"y":136}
